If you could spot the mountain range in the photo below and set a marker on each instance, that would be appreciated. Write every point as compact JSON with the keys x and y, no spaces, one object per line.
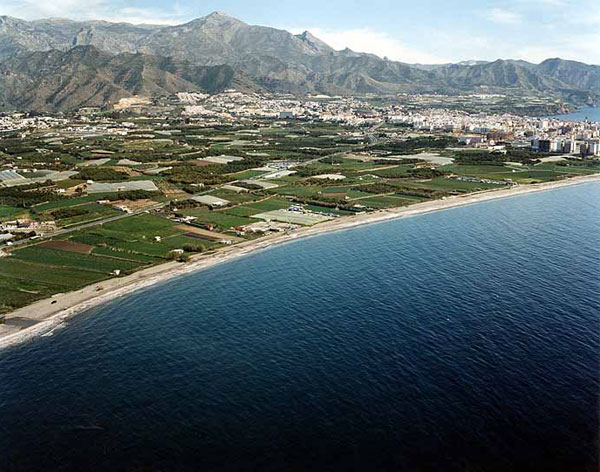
{"x":61,"y":65}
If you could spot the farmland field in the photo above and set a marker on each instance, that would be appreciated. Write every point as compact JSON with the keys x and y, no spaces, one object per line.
{"x":93,"y":212}
{"x":16,"y":292}
{"x":8,"y":213}
{"x":142,"y":225}
{"x":87,"y":256}
{"x":248,"y":174}
{"x":61,"y":278}
{"x":205,"y":233}
{"x":68,"y":246}
{"x":67,"y":202}
{"x":58,"y":258}
{"x":286,"y":216}
{"x":385,"y":201}
{"x":221,"y":219}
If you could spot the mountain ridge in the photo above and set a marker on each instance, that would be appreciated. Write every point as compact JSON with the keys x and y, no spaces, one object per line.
{"x":84,"y":76}
{"x":256,"y":58}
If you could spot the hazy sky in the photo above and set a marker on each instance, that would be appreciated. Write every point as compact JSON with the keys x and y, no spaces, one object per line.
{"x":411,"y":31}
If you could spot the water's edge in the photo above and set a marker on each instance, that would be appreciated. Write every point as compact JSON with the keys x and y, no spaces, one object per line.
{"x":163,"y":273}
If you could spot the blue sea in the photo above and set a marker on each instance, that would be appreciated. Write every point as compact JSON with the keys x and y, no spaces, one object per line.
{"x":584,"y":114}
{"x":463,"y":340}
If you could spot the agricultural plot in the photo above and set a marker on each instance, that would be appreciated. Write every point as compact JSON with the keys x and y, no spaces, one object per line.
{"x":526,"y":176}
{"x":187,"y":239}
{"x":52,"y":276}
{"x":327,"y":210}
{"x":92,"y":211}
{"x":95,"y":162}
{"x":521,"y":175}
{"x":68,"y":184}
{"x":393,"y":172}
{"x":452,"y":185}
{"x":143,"y":239}
{"x":67,"y":259}
{"x":9,"y":213}
{"x":264,"y":184}
{"x":221,"y":219}
{"x":15,"y":293}
{"x":243,"y":211}
{"x":89,"y":256}
{"x":269,"y":204}
{"x":145,"y":225}
{"x":67,"y":202}
{"x":120,"y":253}
{"x":294,"y":217}
{"x":299,"y":190}
{"x":192,"y":231}
{"x":233,"y":197}
{"x":385,"y":201}
{"x":69,"y":246}
{"x":133,"y":184}
{"x":253,"y":208}
{"x":578,"y":167}
{"x":427,"y":157}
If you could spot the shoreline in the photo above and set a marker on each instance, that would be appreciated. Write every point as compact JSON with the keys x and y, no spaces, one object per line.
{"x":51,"y":313}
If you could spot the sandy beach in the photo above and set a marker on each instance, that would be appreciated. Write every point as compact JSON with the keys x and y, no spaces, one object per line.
{"x":42,"y":317}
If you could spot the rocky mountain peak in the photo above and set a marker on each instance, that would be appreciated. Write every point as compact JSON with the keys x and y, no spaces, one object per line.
{"x":314,"y":43}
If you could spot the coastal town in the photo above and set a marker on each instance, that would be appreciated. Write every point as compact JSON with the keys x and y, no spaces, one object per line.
{"x":103,"y":194}
{"x":438,"y":114}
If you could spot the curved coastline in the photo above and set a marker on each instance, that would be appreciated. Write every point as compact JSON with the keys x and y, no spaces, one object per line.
{"x":579,"y":115}
{"x":51,"y":313}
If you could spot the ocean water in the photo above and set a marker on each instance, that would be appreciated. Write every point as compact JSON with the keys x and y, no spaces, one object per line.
{"x":584,"y":114}
{"x":465,"y":340}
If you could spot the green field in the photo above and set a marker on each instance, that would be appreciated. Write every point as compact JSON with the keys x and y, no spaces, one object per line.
{"x":133,"y":238}
{"x":521,"y":175}
{"x":67,"y":202}
{"x":16,"y":292}
{"x":119,"y":253}
{"x":35,"y":272}
{"x":298,"y":190}
{"x":224,"y":221}
{"x":141,"y":226}
{"x":53,"y":257}
{"x":248,"y":174}
{"x":8,"y":213}
{"x":94,"y":212}
{"x":253,"y":208}
{"x":441,"y":183}
{"x":385,"y":201}
{"x":21,"y":277}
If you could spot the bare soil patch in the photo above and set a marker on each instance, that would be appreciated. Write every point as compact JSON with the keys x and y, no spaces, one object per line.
{"x":68,"y":246}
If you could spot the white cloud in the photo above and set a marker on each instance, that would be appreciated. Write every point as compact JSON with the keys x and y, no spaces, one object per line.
{"x":49,"y":8}
{"x":89,"y":10}
{"x":143,"y":15}
{"x":372,"y":41}
{"x":504,"y":17}
{"x":555,"y":3}
{"x":547,"y":3}
{"x":583,"y":48}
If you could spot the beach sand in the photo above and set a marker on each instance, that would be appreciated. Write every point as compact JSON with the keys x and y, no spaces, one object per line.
{"x":42,"y":317}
